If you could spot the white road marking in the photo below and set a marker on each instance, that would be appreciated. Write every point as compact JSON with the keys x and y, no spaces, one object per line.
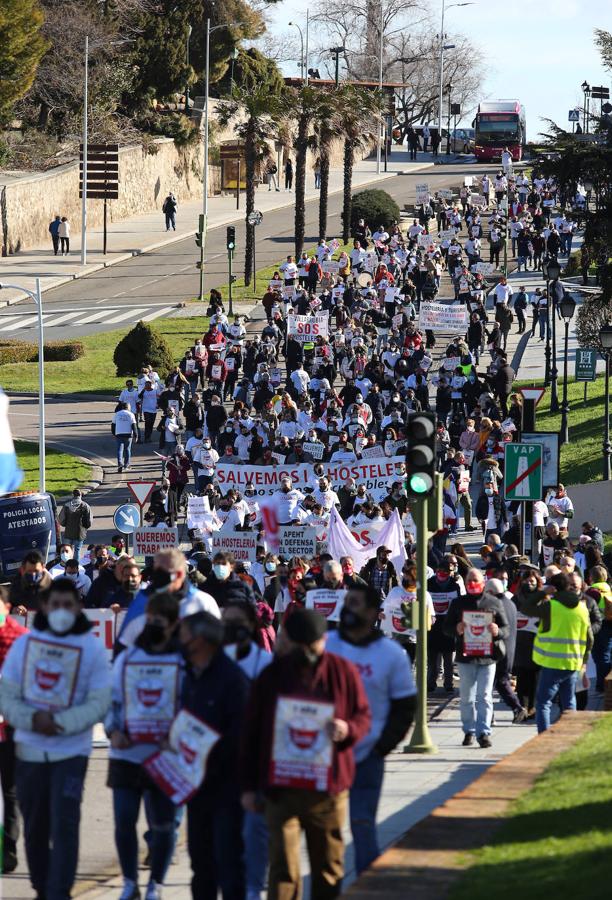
{"x":125,"y":315}
{"x":57,"y":321}
{"x":21,"y":323}
{"x":160,"y":312}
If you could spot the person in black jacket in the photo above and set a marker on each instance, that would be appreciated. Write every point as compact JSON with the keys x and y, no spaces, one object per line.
{"x":224,"y":585}
{"x":215,"y":690}
{"x":491,"y":512}
{"x":502,"y":382}
{"x":476,"y":665}
{"x":475,"y":336}
{"x":216,"y":417}
{"x":444,"y":589}
{"x":380,"y":573}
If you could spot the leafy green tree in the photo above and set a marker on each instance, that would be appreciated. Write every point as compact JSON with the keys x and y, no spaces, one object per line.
{"x":143,"y":346}
{"x":375,"y":207}
{"x":22,"y":46}
{"x":305,"y":102}
{"x":328,"y":125}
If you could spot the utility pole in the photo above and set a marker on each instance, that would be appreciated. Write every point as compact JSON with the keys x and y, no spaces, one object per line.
{"x":85,"y":173}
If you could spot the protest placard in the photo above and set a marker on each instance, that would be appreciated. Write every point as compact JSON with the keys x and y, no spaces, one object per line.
{"x":371,"y":261}
{"x":484,"y":268}
{"x":326,"y":601}
{"x":315,"y":448}
{"x":297,"y":541}
{"x":477,"y":200}
{"x":397,"y":320}
{"x":241,"y":544}
{"x":447,"y":235}
{"x":149,"y":541}
{"x":445,"y":193}
{"x":372,"y":452}
{"x":425,"y":241}
{"x":198,"y":511}
{"x":306,"y":328}
{"x":422,"y":194}
{"x":275,"y":284}
{"x":442,"y":317}
{"x":330,"y":266}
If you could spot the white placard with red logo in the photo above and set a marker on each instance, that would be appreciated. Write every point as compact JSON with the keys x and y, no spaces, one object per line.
{"x":50,"y":674}
{"x":150,"y":694}
{"x":179,"y":772}
{"x":527,"y":623}
{"x":215,"y":373}
{"x":477,"y":639}
{"x":326,"y":601}
{"x":442,"y":600}
{"x":301,"y":747}
{"x":395,"y":617}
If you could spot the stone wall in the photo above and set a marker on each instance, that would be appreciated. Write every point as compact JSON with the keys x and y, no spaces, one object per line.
{"x":28,"y":204}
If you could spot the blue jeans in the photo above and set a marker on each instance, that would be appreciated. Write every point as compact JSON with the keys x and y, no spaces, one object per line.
{"x":255,"y":836}
{"x":476,"y":697}
{"x":77,"y":546}
{"x":160,"y":814}
{"x":124,"y":449}
{"x":602,"y":653}
{"x":170,"y":221}
{"x":363,"y":799}
{"x":49,"y":796}
{"x":549,"y":682}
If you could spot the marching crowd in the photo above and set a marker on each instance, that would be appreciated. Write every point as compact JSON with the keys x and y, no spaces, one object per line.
{"x":262,"y":695}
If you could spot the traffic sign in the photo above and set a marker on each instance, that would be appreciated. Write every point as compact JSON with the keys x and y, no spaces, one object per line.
{"x":586,"y":364}
{"x":533,"y":393}
{"x":573,"y":115}
{"x":255,"y":217}
{"x":523,"y":471}
{"x":141,"y":490}
{"x":127,"y":518}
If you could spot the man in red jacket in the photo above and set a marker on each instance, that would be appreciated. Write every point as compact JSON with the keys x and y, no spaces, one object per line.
{"x":10,"y":630}
{"x":306,"y":712}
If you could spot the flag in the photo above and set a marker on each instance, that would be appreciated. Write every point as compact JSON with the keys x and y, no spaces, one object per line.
{"x":269,"y":521}
{"x":340,"y":541}
{"x":11,"y":475}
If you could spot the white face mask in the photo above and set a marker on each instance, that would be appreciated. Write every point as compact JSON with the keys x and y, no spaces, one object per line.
{"x":65,"y":556}
{"x":61,"y":620}
{"x":221,"y":571}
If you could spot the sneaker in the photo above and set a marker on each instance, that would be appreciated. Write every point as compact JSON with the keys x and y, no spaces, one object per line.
{"x":519,"y":716}
{"x":120,"y":469}
{"x":485,"y":741}
{"x":153,"y":891}
{"x":130,"y":890}
{"x":468,"y":740}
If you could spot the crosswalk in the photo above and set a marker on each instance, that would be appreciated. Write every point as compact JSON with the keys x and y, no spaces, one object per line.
{"x":13,"y":322}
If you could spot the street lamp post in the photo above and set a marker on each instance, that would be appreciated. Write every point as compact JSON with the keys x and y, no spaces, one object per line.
{"x":605,"y":338}
{"x":189,"y":31}
{"x":547,"y":347}
{"x":568,"y":308}
{"x":380,"y":82}
{"x":554,"y":270}
{"x":448,"y":120}
{"x":36,"y":296}
{"x":442,"y":49}
{"x":302,"y":69}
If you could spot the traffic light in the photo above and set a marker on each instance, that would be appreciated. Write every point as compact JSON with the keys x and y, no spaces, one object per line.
{"x":200,"y":232}
{"x":198,"y":238}
{"x":231,"y":238}
{"x":421,"y":455}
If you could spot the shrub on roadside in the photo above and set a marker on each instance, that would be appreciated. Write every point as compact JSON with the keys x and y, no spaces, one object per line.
{"x":12,"y":351}
{"x":375,"y":207}
{"x":141,"y":346}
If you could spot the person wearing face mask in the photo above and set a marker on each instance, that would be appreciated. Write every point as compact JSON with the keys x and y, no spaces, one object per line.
{"x":215,"y":689}
{"x":379,"y":572}
{"x":29,"y":584}
{"x":153,"y":662}
{"x":78,"y":577}
{"x":55,"y":686}
{"x":491,"y":511}
{"x":58,"y":566}
{"x":130,"y":581}
{"x":169,"y":574}
{"x":224,"y":585}
{"x":320,"y":696}
{"x":287,"y":500}
{"x":391,"y":692}
{"x":477,"y":670}
{"x":497,"y":586}
{"x":76,"y":520}
{"x":444,"y":588}
{"x":103,"y":589}
{"x":525,"y":669}
{"x":396,"y":612}
{"x":10,"y":630}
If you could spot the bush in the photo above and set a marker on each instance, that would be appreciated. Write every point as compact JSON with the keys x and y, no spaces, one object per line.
{"x":55,"y":351}
{"x":375,"y":207}
{"x":142,"y":346}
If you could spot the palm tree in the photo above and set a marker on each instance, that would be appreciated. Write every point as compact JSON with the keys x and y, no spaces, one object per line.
{"x":359,"y":112}
{"x":328,"y":127}
{"x":305,"y":100}
{"x":254,"y":110}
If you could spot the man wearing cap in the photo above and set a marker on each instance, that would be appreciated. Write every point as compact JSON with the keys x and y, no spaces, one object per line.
{"x":306,"y":712}
{"x":215,"y":689}
{"x":380,"y":573}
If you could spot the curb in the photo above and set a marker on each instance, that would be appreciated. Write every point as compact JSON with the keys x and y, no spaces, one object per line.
{"x":96,"y":481}
{"x":149,"y":248}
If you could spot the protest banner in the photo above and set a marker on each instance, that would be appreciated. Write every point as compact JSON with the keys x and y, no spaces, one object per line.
{"x":422,"y":194}
{"x":331,"y":266}
{"x":198,"y":511}
{"x":484,"y":268}
{"x":445,"y":193}
{"x":440,"y":317}
{"x":295,"y":540}
{"x":326,"y":601}
{"x":367,"y":535}
{"x":372,"y":452}
{"x":149,"y":541}
{"x":241,"y":544}
{"x":307,"y":328}
{"x":477,"y":200}
{"x":315,"y":448}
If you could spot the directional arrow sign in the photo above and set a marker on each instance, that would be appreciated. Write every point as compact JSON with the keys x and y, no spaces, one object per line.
{"x":141,"y":490}
{"x":127,"y":518}
{"x":533,"y":393}
{"x":523,"y":471}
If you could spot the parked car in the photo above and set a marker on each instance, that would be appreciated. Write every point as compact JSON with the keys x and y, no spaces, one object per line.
{"x":462,"y":140}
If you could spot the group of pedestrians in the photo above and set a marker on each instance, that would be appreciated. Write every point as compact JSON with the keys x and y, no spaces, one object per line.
{"x":59,"y":229}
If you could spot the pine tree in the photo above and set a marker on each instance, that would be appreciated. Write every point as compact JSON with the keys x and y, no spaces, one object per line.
{"x":21,"y":48}
{"x":143,"y":346}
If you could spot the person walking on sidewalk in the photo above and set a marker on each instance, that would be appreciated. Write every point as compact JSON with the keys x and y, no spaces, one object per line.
{"x":75,"y":518}
{"x":288,"y":174}
{"x":54,"y":232}
{"x":476,"y":659}
{"x":272,"y":175}
{"x":125,"y":430}
{"x":169,"y":210}
{"x":53,"y":735}
{"x":64,"y":235}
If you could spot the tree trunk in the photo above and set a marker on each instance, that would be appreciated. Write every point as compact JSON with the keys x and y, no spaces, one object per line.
{"x":250,"y":154}
{"x":324,"y":194}
{"x":301,"y":146}
{"x":348,"y":188}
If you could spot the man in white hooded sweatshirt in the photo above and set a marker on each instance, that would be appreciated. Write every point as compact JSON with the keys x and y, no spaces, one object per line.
{"x":56,"y":684}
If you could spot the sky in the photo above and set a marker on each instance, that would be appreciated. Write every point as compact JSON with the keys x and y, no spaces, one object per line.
{"x":538,"y":53}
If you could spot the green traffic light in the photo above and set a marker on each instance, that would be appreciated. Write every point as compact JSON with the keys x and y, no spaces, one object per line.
{"x":420,"y":484}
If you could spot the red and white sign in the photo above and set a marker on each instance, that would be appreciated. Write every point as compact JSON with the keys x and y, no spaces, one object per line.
{"x":326,"y":601}
{"x":149,"y":541}
{"x":50,"y":673}
{"x":477,"y":640}
{"x":533,"y":393}
{"x":301,"y":748}
{"x":180,"y":771}
{"x":141,"y":490}
{"x":150,"y":693}
{"x":306,"y":328}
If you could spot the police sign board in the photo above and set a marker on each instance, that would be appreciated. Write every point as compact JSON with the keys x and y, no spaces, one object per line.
{"x":27,"y":522}
{"x":149,"y":541}
{"x":586,"y":364}
{"x":523,"y":471}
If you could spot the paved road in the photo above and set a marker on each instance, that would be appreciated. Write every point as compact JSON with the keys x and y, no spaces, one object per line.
{"x":150,"y":286}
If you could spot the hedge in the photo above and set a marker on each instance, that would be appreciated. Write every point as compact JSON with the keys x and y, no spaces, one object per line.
{"x":376,"y":207}
{"x":55,"y":351}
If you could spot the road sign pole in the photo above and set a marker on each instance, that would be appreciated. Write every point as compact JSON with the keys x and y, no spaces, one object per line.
{"x":231,"y":281}
{"x":421,"y":741}
{"x":529,"y":426}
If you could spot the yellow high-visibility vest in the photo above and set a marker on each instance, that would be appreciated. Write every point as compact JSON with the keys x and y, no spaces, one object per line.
{"x":563,"y":646}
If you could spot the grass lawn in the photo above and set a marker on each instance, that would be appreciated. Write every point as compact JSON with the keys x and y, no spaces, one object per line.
{"x":94,"y":373}
{"x":556,"y":841}
{"x":581,"y":458}
{"x":63,"y":471}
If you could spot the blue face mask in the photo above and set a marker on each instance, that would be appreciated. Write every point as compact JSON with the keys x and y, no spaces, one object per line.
{"x":489,"y":492}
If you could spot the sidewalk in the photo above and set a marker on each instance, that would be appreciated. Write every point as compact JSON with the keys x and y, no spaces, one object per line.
{"x":144,"y":233}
